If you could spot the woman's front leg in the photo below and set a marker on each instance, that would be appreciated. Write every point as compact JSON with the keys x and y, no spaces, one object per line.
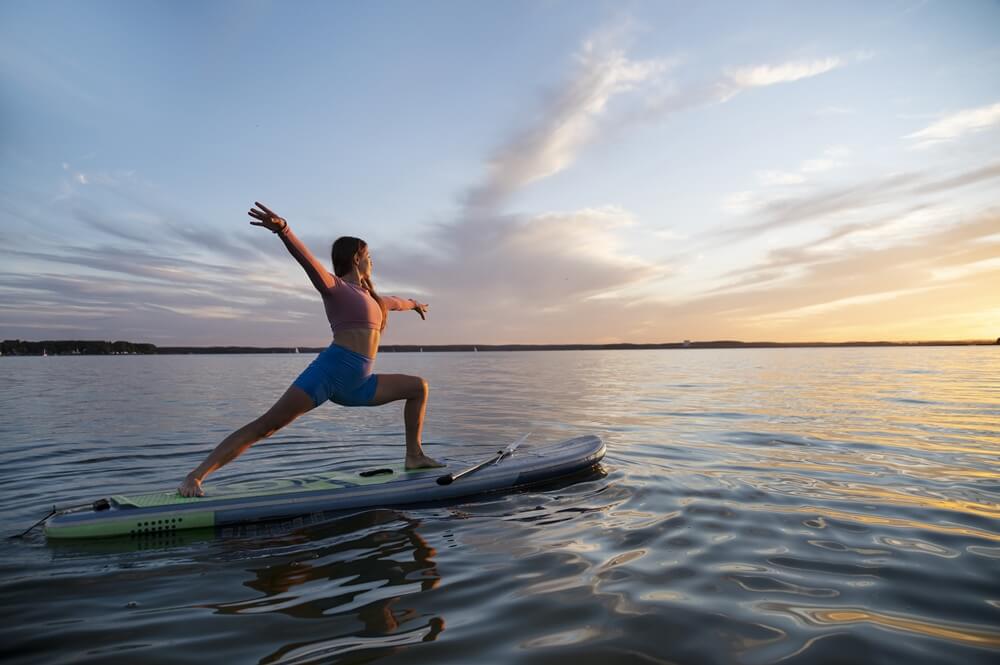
{"x":413,"y":389}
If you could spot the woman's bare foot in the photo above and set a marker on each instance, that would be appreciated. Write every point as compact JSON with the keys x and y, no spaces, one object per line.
{"x":421,"y":462}
{"x":190,"y":487}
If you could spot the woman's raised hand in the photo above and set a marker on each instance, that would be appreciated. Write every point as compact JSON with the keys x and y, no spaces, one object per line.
{"x":267,"y":219}
{"x":420,"y":308}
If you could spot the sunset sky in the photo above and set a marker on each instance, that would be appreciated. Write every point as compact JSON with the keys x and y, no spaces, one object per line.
{"x":539,"y":172}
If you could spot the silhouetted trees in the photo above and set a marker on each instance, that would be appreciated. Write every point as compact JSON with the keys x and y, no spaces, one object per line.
{"x":17,"y":347}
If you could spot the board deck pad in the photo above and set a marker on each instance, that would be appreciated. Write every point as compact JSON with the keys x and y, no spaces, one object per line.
{"x":258,"y":488}
{"x":320,"y":493}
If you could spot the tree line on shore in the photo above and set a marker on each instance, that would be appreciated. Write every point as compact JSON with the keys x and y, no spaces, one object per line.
{"x":16,"y":347}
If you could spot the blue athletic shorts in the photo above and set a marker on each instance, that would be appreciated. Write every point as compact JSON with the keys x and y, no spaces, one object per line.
{"x":341,"y":376}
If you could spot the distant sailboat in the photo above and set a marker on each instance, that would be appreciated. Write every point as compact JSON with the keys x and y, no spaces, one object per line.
{"x":44,"y":352}
{"x":296,"y":349}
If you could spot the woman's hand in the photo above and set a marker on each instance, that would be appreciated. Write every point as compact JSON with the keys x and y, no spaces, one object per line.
{"x":420,"y":308}
{"x":268,"y":219}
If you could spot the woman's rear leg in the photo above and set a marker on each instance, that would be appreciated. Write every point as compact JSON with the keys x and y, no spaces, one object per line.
{"x":289,"y":406}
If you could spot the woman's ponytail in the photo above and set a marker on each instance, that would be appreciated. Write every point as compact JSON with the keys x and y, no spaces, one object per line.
{"x":385,"y":310}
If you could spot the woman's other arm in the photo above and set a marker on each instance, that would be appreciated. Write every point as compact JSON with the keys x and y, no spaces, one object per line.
{"x":318,"y":274}
{"x":404,"y":304}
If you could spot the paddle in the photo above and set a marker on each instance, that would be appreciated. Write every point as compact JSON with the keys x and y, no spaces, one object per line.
{"x":496,"y":459}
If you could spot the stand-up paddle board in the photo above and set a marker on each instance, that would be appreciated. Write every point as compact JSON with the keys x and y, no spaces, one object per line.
{"x":382,"y":486}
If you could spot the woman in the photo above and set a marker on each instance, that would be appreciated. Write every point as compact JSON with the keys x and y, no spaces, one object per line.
{"x":343,"y":372}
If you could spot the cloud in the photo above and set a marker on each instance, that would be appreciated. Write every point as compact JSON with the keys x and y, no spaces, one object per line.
{"x":740,"y":203}
{"x":163,"y":303}
{"x":832,"y":158}
{"x":956,"y":125}
{"x":730,"y":83}
{"x":949,"y":267}
{"x":786,"y":262}
{"x":145,"y":269}
{"x":889,"y":190}
{"x":765,"y":75}
{"x":531,"y":259}
{"x":566,"y":122}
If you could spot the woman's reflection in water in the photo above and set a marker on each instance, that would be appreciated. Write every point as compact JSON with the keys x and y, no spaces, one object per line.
{"x":375,"y":559}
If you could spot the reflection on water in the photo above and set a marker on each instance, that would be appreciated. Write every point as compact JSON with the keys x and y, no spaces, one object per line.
{"x":375,"y":559}
{"x":756,"y":506}
{"x":839,"y":616}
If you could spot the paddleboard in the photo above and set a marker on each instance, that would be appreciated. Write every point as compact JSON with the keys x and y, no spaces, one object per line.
{"x":315,"y":495}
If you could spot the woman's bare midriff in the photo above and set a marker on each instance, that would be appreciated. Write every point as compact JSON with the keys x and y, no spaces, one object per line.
{"x":359,"y":340}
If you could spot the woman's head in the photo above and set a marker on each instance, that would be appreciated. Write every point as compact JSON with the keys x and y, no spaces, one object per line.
{"x":349,"y":253}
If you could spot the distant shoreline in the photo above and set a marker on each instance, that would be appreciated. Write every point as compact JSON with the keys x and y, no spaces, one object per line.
{"x":91,"y":347}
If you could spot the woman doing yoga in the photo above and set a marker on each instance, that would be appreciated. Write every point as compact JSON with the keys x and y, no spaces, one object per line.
{"x":343,"y":372}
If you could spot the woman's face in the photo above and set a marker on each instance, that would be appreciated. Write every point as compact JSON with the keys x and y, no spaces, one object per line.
{"x":364,"y":263}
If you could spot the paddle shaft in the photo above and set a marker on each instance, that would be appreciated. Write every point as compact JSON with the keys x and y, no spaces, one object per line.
{"x":452,"y":477}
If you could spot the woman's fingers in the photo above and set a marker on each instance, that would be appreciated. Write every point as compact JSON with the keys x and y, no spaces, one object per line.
{"x":264,"y":208}
{"x":266,"y":218}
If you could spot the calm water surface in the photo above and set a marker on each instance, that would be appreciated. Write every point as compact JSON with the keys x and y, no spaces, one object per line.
{"x":755,"y":506}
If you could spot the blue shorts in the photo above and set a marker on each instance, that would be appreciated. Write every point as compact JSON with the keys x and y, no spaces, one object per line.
{"x":339,"y":375}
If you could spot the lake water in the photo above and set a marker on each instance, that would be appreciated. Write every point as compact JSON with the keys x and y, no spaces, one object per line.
{"x":755,"y":506}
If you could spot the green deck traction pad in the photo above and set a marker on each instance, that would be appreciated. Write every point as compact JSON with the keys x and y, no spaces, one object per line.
{"x":194,"y":519}
{"x":257,"y":488}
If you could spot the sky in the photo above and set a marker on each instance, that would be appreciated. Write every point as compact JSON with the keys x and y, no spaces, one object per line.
{"x":538,"y":172}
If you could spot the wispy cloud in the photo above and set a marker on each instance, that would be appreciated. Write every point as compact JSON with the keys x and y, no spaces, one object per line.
{"x":832,"y":158}
{"x":763,"y":75}
{"x":956,"y":125}
{"x":730,"y":83}
{"x":863,"y":289}
{"x":813,"y":206}
{"x":566,"y":121}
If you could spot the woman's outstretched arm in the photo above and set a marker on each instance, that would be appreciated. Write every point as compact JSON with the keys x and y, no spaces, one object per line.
{"x":404,"y":304}
{"x":318,"y":274}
